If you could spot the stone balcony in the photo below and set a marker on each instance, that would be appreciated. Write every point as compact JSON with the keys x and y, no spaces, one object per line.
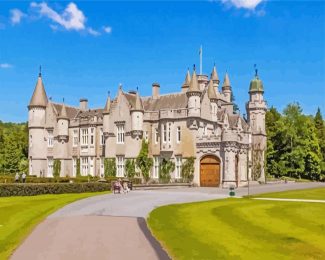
{"x":166,"y":147}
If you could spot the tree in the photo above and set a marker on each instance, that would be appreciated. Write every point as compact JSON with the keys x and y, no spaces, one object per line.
{"x":235,"y":106}
{"x":143,"y":161}
{"x":78,"y":173}
{"x":188,"y":169}
{"x":166,"y":167}
{"x":110,"y":167}
{"x":320,"y":132}
{"x":56,"y":168}
{"x":130,"y":168}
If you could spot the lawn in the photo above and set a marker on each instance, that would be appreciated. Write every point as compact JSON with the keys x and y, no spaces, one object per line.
{"x":311,"y":194}
{"x":243,"y":228}
{"x":19,"y":215}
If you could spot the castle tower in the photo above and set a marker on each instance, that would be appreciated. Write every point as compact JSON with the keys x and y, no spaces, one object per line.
{"x":36,"y":128}
{"x":187,"y":82}
{"x":106,"y":113}
{"x":137,"y":116}
{"x":194,"y":97}
{"x":256,"y":109}
{"x":63,"y":141}
{"x":213,"y":100}
{"x":226,"y":88}
{"x":215,"y":78}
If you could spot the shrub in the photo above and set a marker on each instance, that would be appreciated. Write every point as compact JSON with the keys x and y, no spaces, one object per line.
{"x":31,"y":189}
{"x":166,"y":167}
{"x":188,"y":169}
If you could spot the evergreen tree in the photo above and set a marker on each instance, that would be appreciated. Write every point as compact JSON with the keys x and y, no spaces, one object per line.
{"x":320,"y":132}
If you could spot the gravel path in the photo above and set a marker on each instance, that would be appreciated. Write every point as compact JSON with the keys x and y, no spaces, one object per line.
{"x":113,"y":226}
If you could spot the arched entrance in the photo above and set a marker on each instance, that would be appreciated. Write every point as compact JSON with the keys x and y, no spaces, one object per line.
{"x":210,"y":171}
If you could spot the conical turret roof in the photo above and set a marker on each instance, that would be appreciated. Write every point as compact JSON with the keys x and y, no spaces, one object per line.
{"x":214,"y":74}
{"x":63,"y":114}
{"x":187,"y":80}
{"x":211,"y":91}
{"x":138,"y":103}
{"x":107,"y":106}
{"x":226,"y":81}
{"x":194,"y":85}
{"x":39,"y":98}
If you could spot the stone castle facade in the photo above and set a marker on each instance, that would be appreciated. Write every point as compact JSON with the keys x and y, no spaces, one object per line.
{"x":198,"y":121}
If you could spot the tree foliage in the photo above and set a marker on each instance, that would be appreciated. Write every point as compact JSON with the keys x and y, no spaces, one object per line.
{"x":110,"y":167}
{"x":294,"y":143}
{"x":166,"y":167}
{"x":143,"y":161}
{"x":188,"y":169}
{"x":56,"y":168}
{"x":130,"y":168}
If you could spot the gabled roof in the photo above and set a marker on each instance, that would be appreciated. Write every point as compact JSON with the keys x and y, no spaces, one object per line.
{"x":71,"y":112}
{"x":170,"y":101}
{"x":39,"y":97}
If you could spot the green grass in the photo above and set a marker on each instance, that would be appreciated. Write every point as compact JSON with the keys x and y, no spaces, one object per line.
{"x":312,"y":194}
{"x":19,"y":215}
{"x":243,"y":228}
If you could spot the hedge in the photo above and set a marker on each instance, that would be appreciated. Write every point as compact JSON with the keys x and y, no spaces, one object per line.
{"x":31,"y":189}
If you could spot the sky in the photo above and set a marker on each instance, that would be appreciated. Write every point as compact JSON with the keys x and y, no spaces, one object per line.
{"x":87,"y":48}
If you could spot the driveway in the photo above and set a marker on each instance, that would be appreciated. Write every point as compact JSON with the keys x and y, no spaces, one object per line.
{"x":113,"y":226}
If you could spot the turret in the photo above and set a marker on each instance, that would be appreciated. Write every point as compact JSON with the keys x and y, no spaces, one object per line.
{"x":63,"y":124}
{"x":137,"y":115}
{"x":36,"y":123}
{"x":106,"y":113}
{"x":215,"y":78}
{"x":256,"y":109}
{"x":187,"y":82}
{"x":194,"y":97}
{"x":213,"y":100}
{"x":226,"y":88}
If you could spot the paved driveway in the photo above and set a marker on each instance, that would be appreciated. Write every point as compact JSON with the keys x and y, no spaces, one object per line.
{"x":113,"y":226}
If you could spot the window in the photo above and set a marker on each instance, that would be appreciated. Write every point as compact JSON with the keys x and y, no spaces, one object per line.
{"x":91,"y":166}
{"x":75,"y":137}
{"x":120,"y":166}
{"x":102,"y":137}
{"x":156,"y":135}
{"x":164,"y":133}
{"x":169,"y":132}
{"x":92,"y":136}
{"x":50,"y":139}
{"x":178,"y":173}
{"x":84,"y":166}
{"x":49,"y":167}
{"x":155,"y":174}
{"x":205,"y":130}
{"x":74,"y":166}
{"x":120,"y":134}
{"x":84,"y":136}
{"x":178,"y":134}
{"x":102,"y":172}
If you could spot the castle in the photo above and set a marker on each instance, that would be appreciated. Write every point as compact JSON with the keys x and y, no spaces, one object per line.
{"x":198,"y":121}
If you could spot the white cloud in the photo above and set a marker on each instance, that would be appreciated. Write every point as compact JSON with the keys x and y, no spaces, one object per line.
{"x":107,"y":29}
{"x":16,"y":16}
{"x":5,"y":66}
{"x":246,"y":4}
{"x":71,"y":18}
{"x":93,"y":32}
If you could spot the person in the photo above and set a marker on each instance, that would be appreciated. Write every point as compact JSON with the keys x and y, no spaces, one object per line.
{"x":23,"y":177}
{"x":125,"y":187}
{"x":17,"y":177}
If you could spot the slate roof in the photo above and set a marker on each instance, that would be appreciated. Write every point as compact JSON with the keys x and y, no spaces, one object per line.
{"x":39,"y":97}
{"x":170,"y":101}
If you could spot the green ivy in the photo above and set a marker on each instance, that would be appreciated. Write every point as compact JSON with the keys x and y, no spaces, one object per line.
{"x":56,"y":168}
{"x":166,"y":167}
{"x":188,"y":169}
{"x":143,"y":161}
{"x":78,"y":168}
{"x":130,"y":168}
{"x":110,"y":167}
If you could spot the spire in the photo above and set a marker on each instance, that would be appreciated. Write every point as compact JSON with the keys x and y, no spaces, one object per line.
{"x":39,"y":98}
{"x":226,"y":81}
{"x":107,"y":105}
{"x":138,"y":103}
{"x":194,"y":86}
{"x":187,"y":80}
{"x":211,"y":91}
{"x":214,"y":75}
{"x":63,"y":114}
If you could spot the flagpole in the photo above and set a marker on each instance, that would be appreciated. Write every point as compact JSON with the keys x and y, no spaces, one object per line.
{"x":201,"y":60}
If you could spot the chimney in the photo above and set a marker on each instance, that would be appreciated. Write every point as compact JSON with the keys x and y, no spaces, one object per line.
{"x":83,"y":104}
{"x":155,"y":90}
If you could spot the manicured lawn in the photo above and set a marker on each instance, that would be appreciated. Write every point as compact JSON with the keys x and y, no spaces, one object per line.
{"x":243,"y":228}
{"x":19,"y":215}
{"x":312,"y":194}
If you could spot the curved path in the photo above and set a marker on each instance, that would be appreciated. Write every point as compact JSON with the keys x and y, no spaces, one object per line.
{"x":113,"y":226}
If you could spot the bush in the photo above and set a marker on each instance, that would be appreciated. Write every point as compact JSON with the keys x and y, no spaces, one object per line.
{"x":31,"y":189}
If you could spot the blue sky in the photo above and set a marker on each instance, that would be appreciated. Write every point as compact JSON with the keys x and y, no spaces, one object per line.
{"x":88,"y":48}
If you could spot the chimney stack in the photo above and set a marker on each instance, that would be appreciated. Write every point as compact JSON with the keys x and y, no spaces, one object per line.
{"x":155,"y":90}
{"x":83,"y":104}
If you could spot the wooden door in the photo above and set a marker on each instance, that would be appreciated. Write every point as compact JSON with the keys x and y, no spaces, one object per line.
{"x":210,"y":171}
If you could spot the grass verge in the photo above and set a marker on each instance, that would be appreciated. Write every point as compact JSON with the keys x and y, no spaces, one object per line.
{"x":19,"y":215}
{"x":243,"y":228}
